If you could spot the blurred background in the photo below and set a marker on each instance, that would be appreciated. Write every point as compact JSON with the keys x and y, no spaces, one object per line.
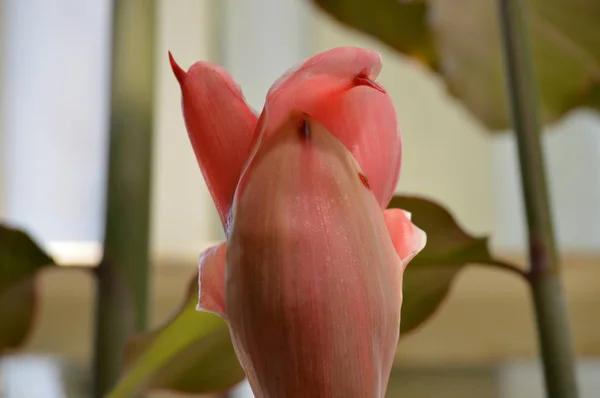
{"x":54,"y":90}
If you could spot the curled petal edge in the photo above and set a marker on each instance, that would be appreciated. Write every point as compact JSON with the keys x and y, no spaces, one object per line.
{"x":337,"y":87}
{"x":211,"y":280}
{"x":407,"y":238}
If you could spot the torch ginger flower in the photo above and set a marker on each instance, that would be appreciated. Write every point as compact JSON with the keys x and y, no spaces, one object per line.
{"x":309,"y":280}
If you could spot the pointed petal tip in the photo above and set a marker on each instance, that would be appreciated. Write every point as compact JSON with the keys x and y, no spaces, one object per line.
{"x":179,"y":73}
{"x":211,"y":280}
{"x":212,"y":305}
{"x":420,"y":240}
{"x":202,"y":308}
{"x":408,"y":239}
{"x":363,"y":80}
{"x":304,"y":127}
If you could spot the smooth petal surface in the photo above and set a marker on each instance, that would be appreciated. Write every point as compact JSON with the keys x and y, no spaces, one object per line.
{"x":313,"y":280}
{"x":220,"y":126}
{"x":341,"y":63}
{"x":337,"y":87}
{"x":365,"y":121}
{"x":407,"y":238}
{"x":211,"y":280}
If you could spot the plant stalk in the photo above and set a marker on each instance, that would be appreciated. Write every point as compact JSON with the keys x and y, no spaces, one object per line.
{"x":122,"y":276}
{"x":544,"y":269}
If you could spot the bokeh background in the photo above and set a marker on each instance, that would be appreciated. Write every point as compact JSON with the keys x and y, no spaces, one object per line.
{"x":54,"y":87}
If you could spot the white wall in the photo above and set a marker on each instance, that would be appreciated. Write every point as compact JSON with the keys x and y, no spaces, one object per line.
{"x":524,"y":379}
{"x":183,"y":213}
{"x":572,"y":149}
{"x":58,"y":193}
{"x":55,"y":89}
{"x":54,"y":103}
{"x":261,"y":40}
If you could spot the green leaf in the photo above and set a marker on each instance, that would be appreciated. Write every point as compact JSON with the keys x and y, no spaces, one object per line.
{"x":17,"y":311}
{"x":429,"y":276}
{"x":399,"y":24}
{"x":191,"y":353}
{"x":20,"y":259}
{"x":461,"y":41}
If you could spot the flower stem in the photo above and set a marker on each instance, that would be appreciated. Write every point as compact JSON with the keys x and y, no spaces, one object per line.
{"x":544,"y":269}
{"x":122,"y":275}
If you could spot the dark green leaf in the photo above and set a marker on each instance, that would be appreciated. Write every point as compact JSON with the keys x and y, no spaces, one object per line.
{"x":17,"y":311}
{"x":429,"y":276}
{"x":461,"y":41}
{"x":20,"y":259}
{"x":191,"y":353}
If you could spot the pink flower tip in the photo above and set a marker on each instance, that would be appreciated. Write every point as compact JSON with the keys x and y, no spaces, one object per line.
{"x":179,"y":73}
{"x":363,"y":80}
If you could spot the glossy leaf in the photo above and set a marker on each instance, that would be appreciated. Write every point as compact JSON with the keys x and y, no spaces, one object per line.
{"x":192,"y":353}
{"x":429,"y":276}
{"x":20,"y":259}
{"x":460,"y":40}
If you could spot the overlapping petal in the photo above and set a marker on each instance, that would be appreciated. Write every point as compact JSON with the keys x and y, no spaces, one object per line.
{"x":313,"y":277}
{"x":220,"y":126}
{"x":211,"y":280}
{"x":407,"y":238}
{"x":314,"y":265}
{"x":365,"y":121}
{"x":338,"y":88}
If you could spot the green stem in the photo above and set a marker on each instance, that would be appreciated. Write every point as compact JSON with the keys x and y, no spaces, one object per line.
{"x":123,"y":273}
{"x":544,"y":270}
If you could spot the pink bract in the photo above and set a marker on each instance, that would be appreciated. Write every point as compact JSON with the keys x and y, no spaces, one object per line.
{"x":310,"y":277}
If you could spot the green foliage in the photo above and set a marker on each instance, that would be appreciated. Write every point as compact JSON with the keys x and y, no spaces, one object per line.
{"x":190,"y":353}
{"x":429,"y":276}
{"x":20,"y":259}
{"x":193,"y":352}
{"x":460,"y":40}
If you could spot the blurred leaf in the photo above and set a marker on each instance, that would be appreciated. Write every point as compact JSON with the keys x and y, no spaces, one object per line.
{"x":17,"y":311}
{"x":400,"y":24}
{"x":191,"y":353}
{"x":428,"y":277}
{"x":460,"y":40}
{"x":20,"y":259}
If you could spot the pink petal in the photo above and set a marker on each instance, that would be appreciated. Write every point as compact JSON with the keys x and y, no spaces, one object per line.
{"x":211,"y":280}
{"x":341,"y":63}
{"x":314,"y":283}
{"x":220,"y":126}
{"x":365,"y":121}
{"x":337,"y":88}
{"x":407,"y":238}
